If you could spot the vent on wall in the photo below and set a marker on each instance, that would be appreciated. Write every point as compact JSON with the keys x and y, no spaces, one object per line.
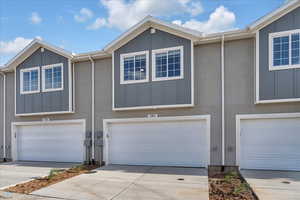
{"x":152,"y":30}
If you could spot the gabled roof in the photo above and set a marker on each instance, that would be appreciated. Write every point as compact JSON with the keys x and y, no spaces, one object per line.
{"x":148,"y":22}
{"x":274,"y":15}
{"x":29,"y":49}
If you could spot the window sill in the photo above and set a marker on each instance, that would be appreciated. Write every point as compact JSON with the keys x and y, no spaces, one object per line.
{"x":52,"y":90}
{"x":167,"y":78}
{"x":284,"y":67}
{"x":30,"y":92}
{"x":132,"y":82}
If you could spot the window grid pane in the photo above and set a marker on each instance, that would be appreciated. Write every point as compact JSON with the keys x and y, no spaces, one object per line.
{"x":30,"y":81}
{"x":26,"y":81}
{"x":281,"y":51}
{"x":57,"y":77}
{"x":295,"y":49}
{"x":168,"y":64}
{"x":48,"y":78}
{"x":135,"y":68}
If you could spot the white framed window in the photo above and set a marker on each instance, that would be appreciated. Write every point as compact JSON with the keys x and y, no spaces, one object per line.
{"x":134,"y":67}
{"x":167,"y":64}
{"x":284,"y":50}
{"x":53,"y":77}
{"x":30,"y":80}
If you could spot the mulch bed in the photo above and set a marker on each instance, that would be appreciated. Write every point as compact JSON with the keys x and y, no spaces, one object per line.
{"x":55,"y":176}
{"x":229,"y":186}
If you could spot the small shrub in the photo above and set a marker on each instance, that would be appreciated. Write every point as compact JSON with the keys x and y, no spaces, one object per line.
{"x":243,"y":187}
{"x":54,"y":172}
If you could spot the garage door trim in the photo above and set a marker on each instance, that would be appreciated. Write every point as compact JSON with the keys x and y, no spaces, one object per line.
{"x":107,"y":122}
{"x":14,"y":126}
{"x":239,"y":118}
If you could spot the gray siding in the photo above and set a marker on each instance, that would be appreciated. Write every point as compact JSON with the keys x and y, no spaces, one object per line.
{"x":44,"y":101}
{"x":281,"y":84}
{"x":169,"y":92}
{"x":239,"y":92}
{"x":207,"y":98}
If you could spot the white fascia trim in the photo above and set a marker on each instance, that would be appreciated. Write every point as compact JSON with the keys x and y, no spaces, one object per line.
{"x":14,"y":126}
{"x":44,"y":113}
{"x":44,"y":78}
{"x":107,"y":122}
{"x":273,"y":16}
{"x":154,"y":107}
{"x":21,"y":80}
{"x":165,"y":50}
{"x":125,"y":55}
{"x":256,"y":116}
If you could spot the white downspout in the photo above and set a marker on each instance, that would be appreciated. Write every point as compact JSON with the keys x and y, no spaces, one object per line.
{"x":4,"y":115}
{"x":93,"y":108}
{"x":223,"y":98}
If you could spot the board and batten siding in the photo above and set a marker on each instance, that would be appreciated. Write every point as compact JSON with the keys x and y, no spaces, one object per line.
{"x":279,"y":84}
{"x":240,"y":92}
{"x":152,"y":93}
{"x":55,"y":101}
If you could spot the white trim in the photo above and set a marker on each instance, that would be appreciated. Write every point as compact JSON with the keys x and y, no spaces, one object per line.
{"x":256,"y":116}
{"x":274,"y":15}
{"x":93,"y":106}
{"x":39,"y":43}
{"x":154,"y":107}
{"x":44,"y":113}
{"x":21,"y":80}
{"x":146,"y":23}
{"x":166,"y":50}
{"x":282,"y":34}
{"x":4,"y":114}
{"x":278,"y":101}
{"x":192,"y":74}
{"x":223,"y":97}
{"x":107,"y":122}
{"x":73,"y":88}
{"x":125,"y":55}
{"x":113,"y":80}
{"x":70,"y":84}
{"x":256,"y":68}
{"x":15,"y":124}
{"x":61,"y":65}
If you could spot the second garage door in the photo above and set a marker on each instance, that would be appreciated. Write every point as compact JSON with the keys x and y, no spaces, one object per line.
{"x":163,"y":142}
{"x":272,"y":144}
{"x":50,"y":141}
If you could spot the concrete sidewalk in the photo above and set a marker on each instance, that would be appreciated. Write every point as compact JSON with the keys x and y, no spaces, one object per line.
{"x":274,"y":185}
{"x":12,"y":173}
{"x":133,"y":182}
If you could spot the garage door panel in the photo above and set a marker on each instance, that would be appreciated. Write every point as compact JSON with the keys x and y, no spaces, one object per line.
{"x":270,"y":144}
{"x":159,"y":143}
{"x":55,"y":142}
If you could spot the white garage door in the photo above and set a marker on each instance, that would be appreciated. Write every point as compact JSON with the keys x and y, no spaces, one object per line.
{"x":63,"y":142}
{"x":161,"y":143}
{"x":270,"y":144}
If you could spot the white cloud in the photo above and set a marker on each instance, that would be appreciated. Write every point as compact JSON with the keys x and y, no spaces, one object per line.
{"x":84,"y":14}
{"x":124,"y":14}
{"x":99,"y":22}
{"x":221,"y":19}
{"x":35,"y":18}
{"x":13,"y":46}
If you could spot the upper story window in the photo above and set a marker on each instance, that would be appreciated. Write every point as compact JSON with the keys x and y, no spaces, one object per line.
{"x":134,"y":67}
{"x":30,"y":80}
{"x":167,"y":64}
{"x":284,"y":50}
{"x":52,"y":77}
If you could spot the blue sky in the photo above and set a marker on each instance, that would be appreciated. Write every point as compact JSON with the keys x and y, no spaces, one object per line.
{"x":86,"y":25}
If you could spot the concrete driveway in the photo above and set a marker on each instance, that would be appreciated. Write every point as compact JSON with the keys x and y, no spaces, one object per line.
{"x":12,"y":173}
{"x":274,"y":185}
{"x":133,"y":182}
